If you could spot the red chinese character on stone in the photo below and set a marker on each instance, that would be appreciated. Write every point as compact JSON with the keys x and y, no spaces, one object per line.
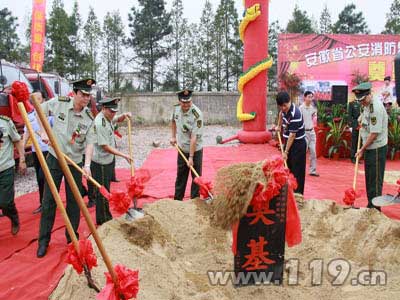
{"x":257,"y":259}
{"x":260,"y":206}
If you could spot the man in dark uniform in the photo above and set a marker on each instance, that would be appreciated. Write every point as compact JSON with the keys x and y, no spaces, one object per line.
{"x":187,"y":131}
{"x":354,"y":110}
{"x":9,"y":138}
{"x":104,"y":153}
{"x":72,"y":126}
{"x":374,"y":134}
{"x":294,"y":132}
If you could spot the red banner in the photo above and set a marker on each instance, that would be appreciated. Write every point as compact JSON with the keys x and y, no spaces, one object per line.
{"x":323,"y":60}
{"x":38,"y":30}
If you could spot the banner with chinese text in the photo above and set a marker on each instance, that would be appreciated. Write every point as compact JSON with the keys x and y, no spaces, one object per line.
{"x":38,"y":30}
{"x":260,"y":244}
{"x":323,"y":60}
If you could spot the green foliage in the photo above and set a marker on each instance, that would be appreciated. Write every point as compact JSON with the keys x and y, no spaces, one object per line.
{"x":392,"y":25}
{"x":338,"y":111}
{"x":394,"y":132}
{"x":325,"y":21}
{"x":9,"y":41}
{"x":350,"y":21}
{"x":273,"y":31}
{"x":357,"y":77}
{"x":93,"y":34}
{"x":149,"y":24}
{"x":335,"y":136}
{"x":322,"y":113}
{"x":300,"y":22}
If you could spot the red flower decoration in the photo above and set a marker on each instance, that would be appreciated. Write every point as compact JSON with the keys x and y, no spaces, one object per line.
{"x":117,"y":133}
{"x":398,"y":183}
{"x":119,"y":201}
{"x":85,"y":257}
{"x":205,"y":186}
{"x":136,"y":184}
{"x":128,"y":281}
{"x":350,"y":196}
{"x":20,"y":91}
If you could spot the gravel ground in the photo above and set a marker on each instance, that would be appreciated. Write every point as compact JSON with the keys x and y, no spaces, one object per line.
{"x":143,"y":139}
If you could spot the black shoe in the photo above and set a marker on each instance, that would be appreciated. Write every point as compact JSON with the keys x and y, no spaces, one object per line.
{"x":14,"y":224}
{"x":115,"y":180}
{"x":314,"y":174}
{"x":41,"y":251}
{"x":90,"y":204}
{"x":37,"y":210}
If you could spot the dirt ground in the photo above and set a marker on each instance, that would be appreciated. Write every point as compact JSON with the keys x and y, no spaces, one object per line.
{"x":174,"y":246}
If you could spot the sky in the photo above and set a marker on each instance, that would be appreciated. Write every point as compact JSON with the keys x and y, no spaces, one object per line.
{"x":281,"y":10}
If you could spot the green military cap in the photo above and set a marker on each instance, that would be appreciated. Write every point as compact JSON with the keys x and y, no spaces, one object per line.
{"x":362,"y":90}
{"x":111,"y":103}
{"x":84,"y":85}
{"x":185,"y":95}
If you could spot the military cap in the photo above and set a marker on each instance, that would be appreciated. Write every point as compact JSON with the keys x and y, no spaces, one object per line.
{"x":84,"y":85}
{"x":185,"y":95}
{"x":111,"y":103}
{"x":362,"y":90}
{"x":386,"y":78}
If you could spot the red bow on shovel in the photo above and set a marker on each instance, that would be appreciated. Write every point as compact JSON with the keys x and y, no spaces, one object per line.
{"x":350,"y":195}
{"x":205,"y":186}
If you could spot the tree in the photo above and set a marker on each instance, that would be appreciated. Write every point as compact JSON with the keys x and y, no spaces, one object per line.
{"x":206,"y":46}
{"x":75,"y":57}
{"x":113,"y":30}
{"x":392,"y":25}
{"x":300,"y":22}
{"x":93,"y":34}
{"x":149,"y":25}
{"x":191,"y":58}
{"x":178,"y":31}
{"x":217,"y":37}
{"x":9,"y":41}
{"x":350,"y":21}
{"x":325,"y":21}
{"x":227,"y":20}
{"x":59,"y":47}
{"x":273,"y":32}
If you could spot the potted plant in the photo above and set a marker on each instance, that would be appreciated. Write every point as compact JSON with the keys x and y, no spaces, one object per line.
{"x":338,"y":112}
{"x":335,"y":138}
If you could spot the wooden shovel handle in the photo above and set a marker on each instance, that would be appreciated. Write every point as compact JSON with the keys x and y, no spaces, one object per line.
{"x":130,"y":147}
{"x":186,"y":160}
{"x":357,"y":160}
{"x":281,"y":146}
{"x":90,"y":178}
{"x":74,"y":188}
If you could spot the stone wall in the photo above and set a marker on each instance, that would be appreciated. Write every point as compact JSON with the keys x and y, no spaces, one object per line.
{"x":217,"y":107}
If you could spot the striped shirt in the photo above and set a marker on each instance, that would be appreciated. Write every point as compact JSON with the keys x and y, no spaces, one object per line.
{"x":292,"y":122}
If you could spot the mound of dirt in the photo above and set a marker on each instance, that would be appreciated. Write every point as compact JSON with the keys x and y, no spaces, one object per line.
{"x":174,"y":246}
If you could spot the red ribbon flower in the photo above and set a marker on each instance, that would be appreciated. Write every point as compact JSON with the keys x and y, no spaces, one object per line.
{"x":128,"y":285}
{"x":85,"y":257}
{"x":136,"y":184}
{"x":75,"y":134}
{"x":120,"y":201}
{"x":350,"y":196}
{"x":205,"y":186}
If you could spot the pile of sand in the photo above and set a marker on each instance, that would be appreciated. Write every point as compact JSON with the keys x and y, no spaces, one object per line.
{"x":174,"y":246}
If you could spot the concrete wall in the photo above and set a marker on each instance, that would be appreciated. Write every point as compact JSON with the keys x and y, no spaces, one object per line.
{"x":217,"y":107}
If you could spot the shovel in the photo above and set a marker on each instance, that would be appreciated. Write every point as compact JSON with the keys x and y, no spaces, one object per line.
{"x":210,"y":195}
{"x":386,"y":200}
{"x":133,"y":212}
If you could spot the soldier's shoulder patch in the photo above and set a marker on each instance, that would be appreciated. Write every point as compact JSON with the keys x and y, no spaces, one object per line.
{"x":103,"y":122}
{"x":5,"y":118}
{"x":90,"y":115}
{"x":195,"y":113}
{"x":373,"y":120}
{"x":64,"y":99}
{"x":199,"y":123}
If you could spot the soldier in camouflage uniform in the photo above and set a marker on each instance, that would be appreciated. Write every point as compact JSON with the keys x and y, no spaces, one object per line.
{"x":74,"y":131}
{"x":374,"y":134}
{"x":9,"y":138}
{"x":187,"y":130}
{"x":104,"y":153}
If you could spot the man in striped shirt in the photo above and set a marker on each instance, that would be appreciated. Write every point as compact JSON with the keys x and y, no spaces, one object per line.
{"x":294,"y":133}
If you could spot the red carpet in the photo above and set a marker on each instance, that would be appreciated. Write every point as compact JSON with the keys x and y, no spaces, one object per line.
{"x":25,"y":276}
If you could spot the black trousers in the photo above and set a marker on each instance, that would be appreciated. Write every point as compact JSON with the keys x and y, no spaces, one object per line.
{"x":39,"y":174}
{"x":374,"y":167}
{"x":297,"y":163}
{"x":7,"y":194}
{"x":102,"y":174}
{"x":183,"y":174}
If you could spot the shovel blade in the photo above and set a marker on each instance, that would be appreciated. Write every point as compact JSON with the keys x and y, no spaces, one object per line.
{"x":133,"y":214}
{"x":386,"y":200}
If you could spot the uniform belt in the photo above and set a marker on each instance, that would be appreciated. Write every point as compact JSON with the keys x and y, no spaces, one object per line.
{"x":309,"y":129}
